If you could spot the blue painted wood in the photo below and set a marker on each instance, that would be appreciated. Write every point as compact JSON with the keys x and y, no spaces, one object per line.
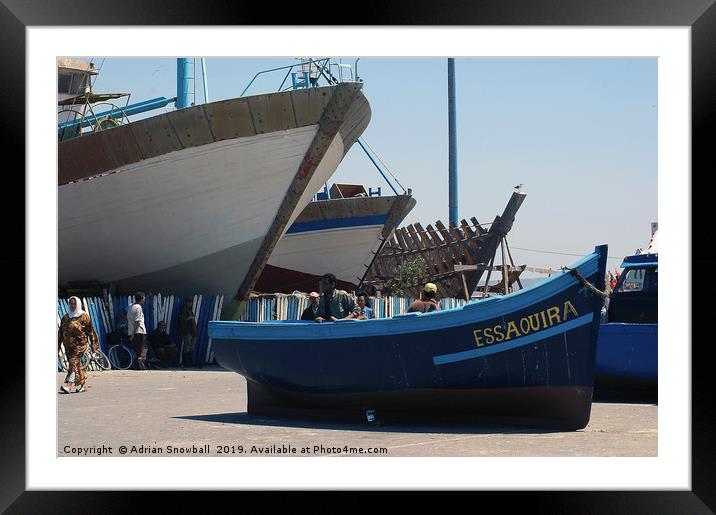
{"x":628,"y":351}
{"x":548,"y":347}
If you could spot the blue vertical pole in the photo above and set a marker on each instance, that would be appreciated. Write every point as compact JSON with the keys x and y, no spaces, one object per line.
{"x":203,"y":76}
{"x":183,"y":76}
{"x":452,"y":144}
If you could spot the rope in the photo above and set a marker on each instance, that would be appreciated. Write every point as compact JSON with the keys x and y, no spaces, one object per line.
{"x":586,"y":283}
{"x":558,"y":253}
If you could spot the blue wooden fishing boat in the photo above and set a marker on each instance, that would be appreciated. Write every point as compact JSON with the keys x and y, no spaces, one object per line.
{"x":526,"y":358}
{"x":627,"y":347}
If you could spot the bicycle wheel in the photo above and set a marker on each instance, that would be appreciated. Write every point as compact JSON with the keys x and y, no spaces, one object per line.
{"x":86,"y":361}
{"x":120,"y":357}
{"x":101,"y":359}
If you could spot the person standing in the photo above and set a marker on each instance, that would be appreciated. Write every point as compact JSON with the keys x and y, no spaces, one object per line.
{"x":187,"y":329}
{"x":335,"y":304}
{"x":137,"y":331}
{"x":76,"y":332}
{"x":428,"y":303}
{"x":311,"y":312}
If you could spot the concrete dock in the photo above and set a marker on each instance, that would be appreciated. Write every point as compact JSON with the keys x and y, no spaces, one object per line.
{"x":203,"y":412}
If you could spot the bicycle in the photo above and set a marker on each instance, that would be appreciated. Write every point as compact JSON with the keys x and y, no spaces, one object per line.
{"x":97,"y":360}
{"x":121,"y":356}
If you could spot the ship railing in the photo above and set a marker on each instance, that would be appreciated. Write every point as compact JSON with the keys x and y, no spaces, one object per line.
{"x":305,"y":74}
{"x":95,"y":123}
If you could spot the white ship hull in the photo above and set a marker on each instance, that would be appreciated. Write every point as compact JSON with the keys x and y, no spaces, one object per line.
{"x":335,"y":236}
{"x":199,"y":219}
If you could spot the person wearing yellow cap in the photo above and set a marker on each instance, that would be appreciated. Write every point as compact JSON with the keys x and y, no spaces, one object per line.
{"x":428,"y":302}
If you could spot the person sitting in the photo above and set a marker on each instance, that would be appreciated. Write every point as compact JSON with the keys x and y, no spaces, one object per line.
{"x":428,"y":302}
{"x":311,"y":311}
{"x":164,"y":349}
{"x":334,"y":304}
{"x":362,"y":301}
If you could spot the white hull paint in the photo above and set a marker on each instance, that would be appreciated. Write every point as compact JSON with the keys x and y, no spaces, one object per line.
{"x":188,"y":221}
{"x":345,"y":252}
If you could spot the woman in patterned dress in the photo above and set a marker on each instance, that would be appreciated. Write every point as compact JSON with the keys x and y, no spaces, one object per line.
{"x":76,"y":332}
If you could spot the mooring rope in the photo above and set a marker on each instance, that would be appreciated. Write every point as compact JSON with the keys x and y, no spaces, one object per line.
{"x":586,"y":283}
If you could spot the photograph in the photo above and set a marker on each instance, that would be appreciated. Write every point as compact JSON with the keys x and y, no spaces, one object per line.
{"x":434,"y":257}
{"x":362,"y":258}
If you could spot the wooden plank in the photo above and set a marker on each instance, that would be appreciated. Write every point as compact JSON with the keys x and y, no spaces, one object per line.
{"x":450,"y":243}
{"x":444,"y":250}
{"x":402,"y":242}
{"x":435,"y":254}
{"x":155,"y":136}
{"x":471,"y":239}
{"x":229,"y":119}
{"x":442,"y":246}
{"x":446,"y":256}
{"x":272,"y":113}
{"x":308,"y":104}
{"x":415,"y":239}
{"x":466,"y":229}
{"x":479,"y":228}
{"x":191,"y":126}
{"x":465,"y":250}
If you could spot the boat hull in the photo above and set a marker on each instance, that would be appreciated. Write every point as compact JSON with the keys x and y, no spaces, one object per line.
{"x":340,"y":236}
{"x":528,"y":356}
{"x":627,"y":356}
{"x":562,"y":407}
{"x":194,"y":201}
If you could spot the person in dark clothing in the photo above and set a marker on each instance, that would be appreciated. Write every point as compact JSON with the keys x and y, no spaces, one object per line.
{"x":428,"y":302}
{"x":162,"y":344}
{"x":335,"y":304}
{"x":311,"y":311}
{"x":187,"y":330}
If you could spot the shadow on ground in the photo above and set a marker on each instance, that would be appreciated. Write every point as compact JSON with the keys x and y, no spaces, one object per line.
{"x":447,"y":427}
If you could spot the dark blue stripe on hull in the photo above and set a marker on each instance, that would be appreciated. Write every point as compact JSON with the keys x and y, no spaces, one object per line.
{"x":337,"y":223}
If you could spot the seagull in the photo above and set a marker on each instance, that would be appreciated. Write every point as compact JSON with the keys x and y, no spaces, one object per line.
{"x":519,"y":187}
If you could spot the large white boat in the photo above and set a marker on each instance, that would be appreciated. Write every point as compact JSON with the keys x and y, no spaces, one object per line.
{"x":195,"y":200}
{"x":341,"y":235}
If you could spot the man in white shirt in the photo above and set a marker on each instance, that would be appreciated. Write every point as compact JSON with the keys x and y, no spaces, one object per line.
{"x":136,"y":330}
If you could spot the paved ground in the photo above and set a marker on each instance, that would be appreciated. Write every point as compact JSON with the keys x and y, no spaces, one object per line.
{"x":194,"y":412}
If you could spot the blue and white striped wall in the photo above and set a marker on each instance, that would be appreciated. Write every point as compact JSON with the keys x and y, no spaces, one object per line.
{"x":106,"y":316}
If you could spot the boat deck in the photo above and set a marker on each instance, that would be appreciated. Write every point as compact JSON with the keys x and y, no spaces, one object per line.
{"x":185,"y":408}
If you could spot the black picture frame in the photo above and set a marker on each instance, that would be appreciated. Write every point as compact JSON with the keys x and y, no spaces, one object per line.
{"x":17,"y":15}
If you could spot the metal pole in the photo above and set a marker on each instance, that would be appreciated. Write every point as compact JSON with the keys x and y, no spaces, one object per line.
{"x":452,"y":144}
{"x":203,"y":76}
{"x":183,"y":76}
{"x":489,"y":272}
{"x":504,"y":264}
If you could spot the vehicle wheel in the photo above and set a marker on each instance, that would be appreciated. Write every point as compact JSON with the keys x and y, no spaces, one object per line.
{"x":120,"y":357}
{"x":102,"y":360}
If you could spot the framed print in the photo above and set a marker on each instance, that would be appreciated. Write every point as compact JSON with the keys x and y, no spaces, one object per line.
{"x":36,"y":477}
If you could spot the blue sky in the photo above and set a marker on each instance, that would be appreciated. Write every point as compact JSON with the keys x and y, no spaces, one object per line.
{"x":580,"y":134}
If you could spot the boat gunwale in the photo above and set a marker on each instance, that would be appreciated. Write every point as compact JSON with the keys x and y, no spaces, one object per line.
{"x":471,"y":313}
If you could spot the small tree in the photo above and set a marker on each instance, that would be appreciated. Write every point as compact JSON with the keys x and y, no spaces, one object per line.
{"x":406,"y":276}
